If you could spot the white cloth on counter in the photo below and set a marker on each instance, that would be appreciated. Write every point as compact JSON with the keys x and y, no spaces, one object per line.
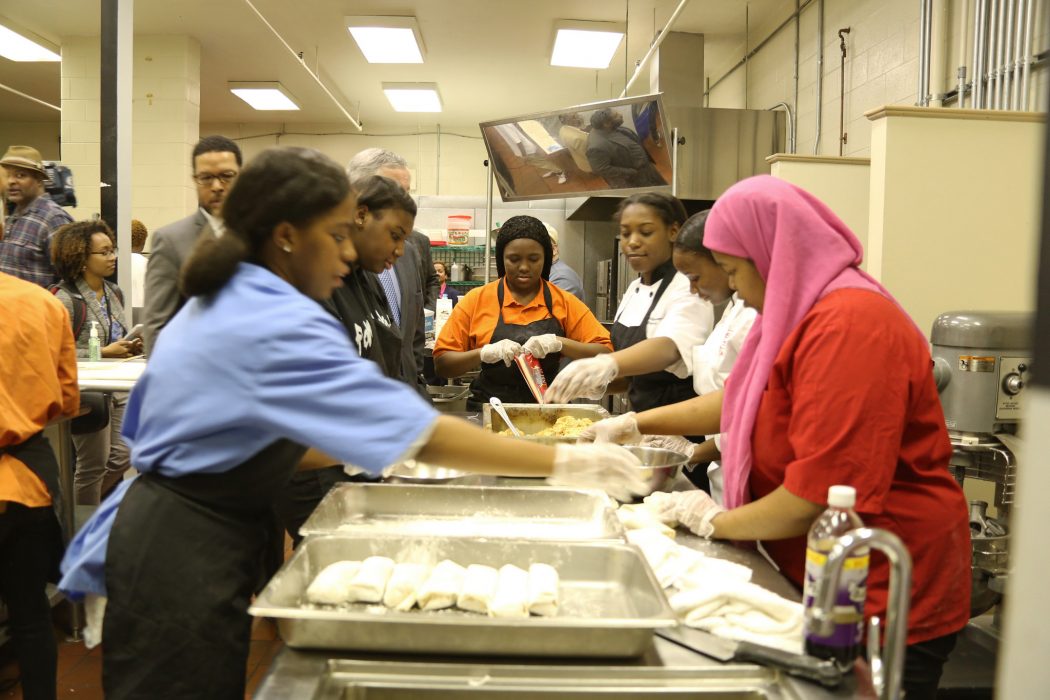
{"x":716,"y":595}
{"x":543,"y":590}
{"x":512,"y":593}
{"x":404,"y":585}
{"x":370,"y":582}
{"x":479,"y":588}
{"x":442,"y":587}
{"x":332,"y":585}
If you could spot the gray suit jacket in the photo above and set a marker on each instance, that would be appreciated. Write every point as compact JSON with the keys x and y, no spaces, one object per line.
{"x":413,"y":334}
{"x":171,"y":248}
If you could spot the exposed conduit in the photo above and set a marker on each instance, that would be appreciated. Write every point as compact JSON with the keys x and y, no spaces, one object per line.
{"x":298,"y":57}
{"x":652,"y":49}
{"x":29,"y":97}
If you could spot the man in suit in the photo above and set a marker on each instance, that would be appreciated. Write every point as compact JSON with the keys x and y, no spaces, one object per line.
{"x":216,"y":162}
{"x":412,"y":284}
{"x":616,"y":153}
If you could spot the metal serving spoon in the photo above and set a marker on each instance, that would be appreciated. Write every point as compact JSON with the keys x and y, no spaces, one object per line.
{"x":497,"y":406}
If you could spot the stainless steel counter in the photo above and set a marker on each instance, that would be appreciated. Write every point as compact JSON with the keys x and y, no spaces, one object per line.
{"x":666,"y":669}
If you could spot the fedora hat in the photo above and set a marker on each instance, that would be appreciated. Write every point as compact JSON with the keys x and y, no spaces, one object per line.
{"x":25,"y":157}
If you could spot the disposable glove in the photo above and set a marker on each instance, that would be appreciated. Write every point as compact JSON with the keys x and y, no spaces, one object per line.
{"x":608,"y":467}
{"x":675,"y":443}
{"x":542,"y":345}
{"x":664,"y":506}
{"x":501,"y":351}
{"x":622,"y":430}
{"x":695,"y":510}
{"x":585,"y":378}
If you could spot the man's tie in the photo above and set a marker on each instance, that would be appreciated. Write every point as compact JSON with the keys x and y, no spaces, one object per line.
{"x":389,"y":282}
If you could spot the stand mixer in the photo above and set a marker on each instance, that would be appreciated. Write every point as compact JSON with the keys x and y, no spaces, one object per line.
{"x":982,"y":363}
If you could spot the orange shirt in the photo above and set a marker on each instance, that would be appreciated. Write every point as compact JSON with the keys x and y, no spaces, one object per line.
{"x":38,"y":379}
{"x":475,"y":316}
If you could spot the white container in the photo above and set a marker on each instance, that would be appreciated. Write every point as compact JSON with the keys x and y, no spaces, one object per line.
{"x":443,"y":309}
{"x":456,"y":273}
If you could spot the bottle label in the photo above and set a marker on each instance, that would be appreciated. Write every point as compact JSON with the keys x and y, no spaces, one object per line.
{"x":848,"y":613}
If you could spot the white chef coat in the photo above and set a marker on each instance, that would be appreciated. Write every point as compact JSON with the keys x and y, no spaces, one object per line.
{"x":680,"y":315}
{"x":713,"y":360}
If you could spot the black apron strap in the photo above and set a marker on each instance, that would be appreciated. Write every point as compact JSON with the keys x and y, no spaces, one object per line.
{"x":35,"y":452}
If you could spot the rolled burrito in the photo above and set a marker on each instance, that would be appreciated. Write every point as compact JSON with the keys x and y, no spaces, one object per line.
{"x":332,"y":585}
{"x":442,"y":587}
{"x":370,"y":583}
{"x":479,"y":586}
{"x":404,"y":584}
{"x":543,"y":590}
{"x":512,"y":593}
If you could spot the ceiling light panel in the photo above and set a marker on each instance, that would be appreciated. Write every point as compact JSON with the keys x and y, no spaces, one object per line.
{"x":387,"y":39}
{"x":586,"y":44}
{"x":265,"y":96}
{"x":413,"y":97}
{"x":15,"y":47}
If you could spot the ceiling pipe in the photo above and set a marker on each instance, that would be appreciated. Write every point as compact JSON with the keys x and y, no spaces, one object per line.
{"x":299,"y":58}
{"x":977,"y":84}
{"x":652,"y":49}
{"x":29,"y":97}
{"x":1027,"y":54}
{"x":820,"y":76}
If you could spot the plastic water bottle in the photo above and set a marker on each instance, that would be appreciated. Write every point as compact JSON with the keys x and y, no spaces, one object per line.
{"x":844,"y":643}
{"x":94,"y":344}
{"x":443,"y":309}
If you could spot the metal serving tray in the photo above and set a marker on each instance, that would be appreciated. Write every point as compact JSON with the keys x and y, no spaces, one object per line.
{"x":610,"y":601}
{"x":532,"y":418}
{"x":536,"y":512}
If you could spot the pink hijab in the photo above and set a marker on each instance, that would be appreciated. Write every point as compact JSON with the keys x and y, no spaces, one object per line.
{"x":803,"y":251}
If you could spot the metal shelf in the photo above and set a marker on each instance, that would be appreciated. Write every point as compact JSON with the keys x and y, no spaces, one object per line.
{"x":466,"y":283}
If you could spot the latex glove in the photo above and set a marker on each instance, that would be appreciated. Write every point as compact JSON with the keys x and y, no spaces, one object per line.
{"x":585,"y":378}
{"x":665,"y":506}
{"x":539,"y":346}
{"x":608,"y":467}
{"x":695,"y":510}
{"x":622,"y":430}
{"x":675,"y":443}
{"x":501,"y":351}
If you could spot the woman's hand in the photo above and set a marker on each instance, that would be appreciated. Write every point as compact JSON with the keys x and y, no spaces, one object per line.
{"x":675,"y":443}
{"x":583,"y":378}
{"x":607,"y":467}
{"x":501,"y":351}
{"x":619,"y":429}
{"x":539,"y":346}
{"x":694,"y":510}
{"x":122,"y":348}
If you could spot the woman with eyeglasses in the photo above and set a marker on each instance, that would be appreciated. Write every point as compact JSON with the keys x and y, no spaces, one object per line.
{"x":84,"y":254}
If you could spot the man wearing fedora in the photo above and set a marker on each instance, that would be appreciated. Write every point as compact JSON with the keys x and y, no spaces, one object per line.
{"x":25,"y":250}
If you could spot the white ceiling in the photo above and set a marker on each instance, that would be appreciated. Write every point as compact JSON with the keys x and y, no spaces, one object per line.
{"x":488,"y":57}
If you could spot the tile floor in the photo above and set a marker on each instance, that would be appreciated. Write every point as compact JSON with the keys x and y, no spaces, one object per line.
{"x":80,"y":669}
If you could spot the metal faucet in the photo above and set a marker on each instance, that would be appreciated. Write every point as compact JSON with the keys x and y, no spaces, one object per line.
{"x":887,"y":666}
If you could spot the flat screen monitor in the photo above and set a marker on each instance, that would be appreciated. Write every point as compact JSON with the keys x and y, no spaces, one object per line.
{"x":616,"y":147}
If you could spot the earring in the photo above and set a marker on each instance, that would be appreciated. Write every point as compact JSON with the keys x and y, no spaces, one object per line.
{"x":288,"y":249}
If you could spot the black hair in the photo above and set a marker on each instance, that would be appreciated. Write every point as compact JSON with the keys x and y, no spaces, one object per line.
{"x":524,"y":227}
{"x":599,"y":118}
{"x":670,"y":210}
{"x":691,"y":234}
{"x":71,"y":247}
{"x":378,"y":192}
{"x":285,"y":184}
{"x":215,"y":144}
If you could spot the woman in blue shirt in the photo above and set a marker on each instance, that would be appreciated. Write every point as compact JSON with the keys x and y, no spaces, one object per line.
{"x":251,"y":380}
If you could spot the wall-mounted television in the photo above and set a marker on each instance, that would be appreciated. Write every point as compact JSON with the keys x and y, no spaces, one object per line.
{"x":615,"y":147}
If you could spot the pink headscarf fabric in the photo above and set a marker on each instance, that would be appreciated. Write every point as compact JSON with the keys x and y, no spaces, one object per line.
{"x":803,"y":251}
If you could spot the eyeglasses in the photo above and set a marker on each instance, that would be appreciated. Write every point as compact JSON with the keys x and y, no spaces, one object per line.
{"x":105,"y":253}
{"x":206,"y":179}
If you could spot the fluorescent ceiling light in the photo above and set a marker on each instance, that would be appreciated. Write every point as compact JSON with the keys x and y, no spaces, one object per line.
{"x":387,"y":39}
{"x":586,"y":44}
{"x":16,"y":47}
{"x":264,"y":96}
{"x":413,"y":97}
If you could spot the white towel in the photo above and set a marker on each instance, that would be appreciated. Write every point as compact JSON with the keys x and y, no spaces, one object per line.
{"x":332,"y":585}
{"x":512,"y":593}
{"x":370,"y":582}
{"x":543,"y":590}
{"x":479,"y":587}
{"x":743,"y":611}
{"x":404,"y":585}
{"x":442,"y":587}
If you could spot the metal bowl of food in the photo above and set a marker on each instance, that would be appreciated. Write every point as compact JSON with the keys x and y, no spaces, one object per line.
{"x":413,"y":472}
{"x":659,"y":465}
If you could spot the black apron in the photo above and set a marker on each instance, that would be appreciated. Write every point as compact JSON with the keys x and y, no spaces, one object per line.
{"x":35,"y":452}
{"x":184,"y":557}
{"x":506,"y":383}
{"x":363,"y":309}
{"x":656,"y":388}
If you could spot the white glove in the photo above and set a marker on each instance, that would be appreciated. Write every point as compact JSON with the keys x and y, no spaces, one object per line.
{"x":585,"y":378}
{"x":622,"y":430}
{"x":664,"y":505}
{"x":695,"y":510}
{"x":501,"y":351}
{"x":608,"y":467}
{"x":675,"y":443}
{"x":539,"y":346}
